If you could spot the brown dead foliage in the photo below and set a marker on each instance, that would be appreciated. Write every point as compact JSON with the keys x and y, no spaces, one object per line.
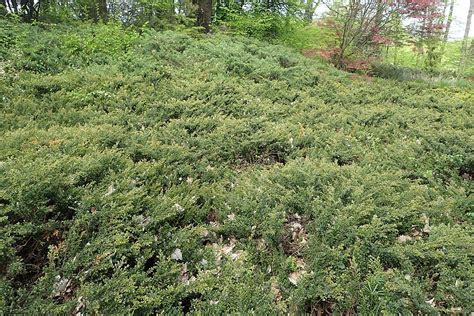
{"x":34,"y":254}
{"x":294,"y":236}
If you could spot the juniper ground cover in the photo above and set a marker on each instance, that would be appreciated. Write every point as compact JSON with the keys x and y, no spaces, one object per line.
{"x":167,"y":173}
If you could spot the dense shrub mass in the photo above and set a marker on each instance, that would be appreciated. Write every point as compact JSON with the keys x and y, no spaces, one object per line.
{"x":174,"y":174}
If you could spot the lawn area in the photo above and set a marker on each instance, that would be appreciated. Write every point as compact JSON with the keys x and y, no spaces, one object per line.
{"x":448,"y":62}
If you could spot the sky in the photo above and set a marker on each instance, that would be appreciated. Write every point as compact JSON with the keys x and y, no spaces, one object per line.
{"x":457,"y":26}
{"x":459,"y":19}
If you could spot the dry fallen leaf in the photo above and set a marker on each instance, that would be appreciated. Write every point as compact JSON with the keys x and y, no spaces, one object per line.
{"x":296,"y":226}
{"x":404,"y":238}
{"x":276,"y":290}
{"x":300,"y":263}
{"x":184,"y":276}
{"x":179,"y":208}
{"x":431,"y":302}
{"x":236,"y":255}
{"x":142,"y":220}
{"x":261,"y":245}
{"x":209,"y":168}
{"x":79,"y":306}
{"x":110,"y":190}
{"x":61,"y":286}
{"x":293,"y":277}
{"x":294,"y":237}
{"x":226,"y":249}
{"x":426,"y":228}
{"x":177,"y":255}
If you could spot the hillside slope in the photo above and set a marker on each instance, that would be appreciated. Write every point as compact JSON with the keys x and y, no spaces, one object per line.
{"x":164,"y":173}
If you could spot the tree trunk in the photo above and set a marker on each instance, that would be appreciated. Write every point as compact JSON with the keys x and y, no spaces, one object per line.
{"x":97,"y":10}
{"x":204,"y":13}
{"x":27,"y":10}
{"x":448,"y":26}
{"x":465,"y":38}
{"x":378,"y":21}
{"x":309,"y":9}
{"x":172,"y":8}
{"x":15,"y":6}
{"x":379,"y":13}
{"x":10,"y":9}
{"x":103,"y":13}
{"x":395,"y":55}
{"x":448,"y":22}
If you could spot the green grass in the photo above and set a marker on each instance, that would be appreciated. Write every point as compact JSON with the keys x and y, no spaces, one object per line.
{"x":161,"y":173}
{"x":448,"y":64}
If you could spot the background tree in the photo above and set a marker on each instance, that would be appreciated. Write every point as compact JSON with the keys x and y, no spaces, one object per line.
{"x":464,"y":50}
{"x":97,"y":10}
{"x":363,"y":25}
{"x":449,"y":19}
{"x":353,"y":33}
{"x":203,"y":14}
{"x":309,"y":8}
{"x":426,"y":28}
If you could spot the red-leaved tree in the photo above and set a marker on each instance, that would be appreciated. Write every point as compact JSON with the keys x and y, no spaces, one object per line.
{"x":426,"y":26}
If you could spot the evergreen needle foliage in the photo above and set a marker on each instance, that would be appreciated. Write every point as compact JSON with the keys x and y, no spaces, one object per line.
{"x":161,"y":173}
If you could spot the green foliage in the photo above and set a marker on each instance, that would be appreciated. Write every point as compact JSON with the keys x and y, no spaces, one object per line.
{"x":286,"y":30}
{"x":167,"y":174}
{"x":313,"y":35}
{"x":389,"y":71}
{"x":262,"y":25}
{"x":406,"y":56}
{"x":36,"y":48}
